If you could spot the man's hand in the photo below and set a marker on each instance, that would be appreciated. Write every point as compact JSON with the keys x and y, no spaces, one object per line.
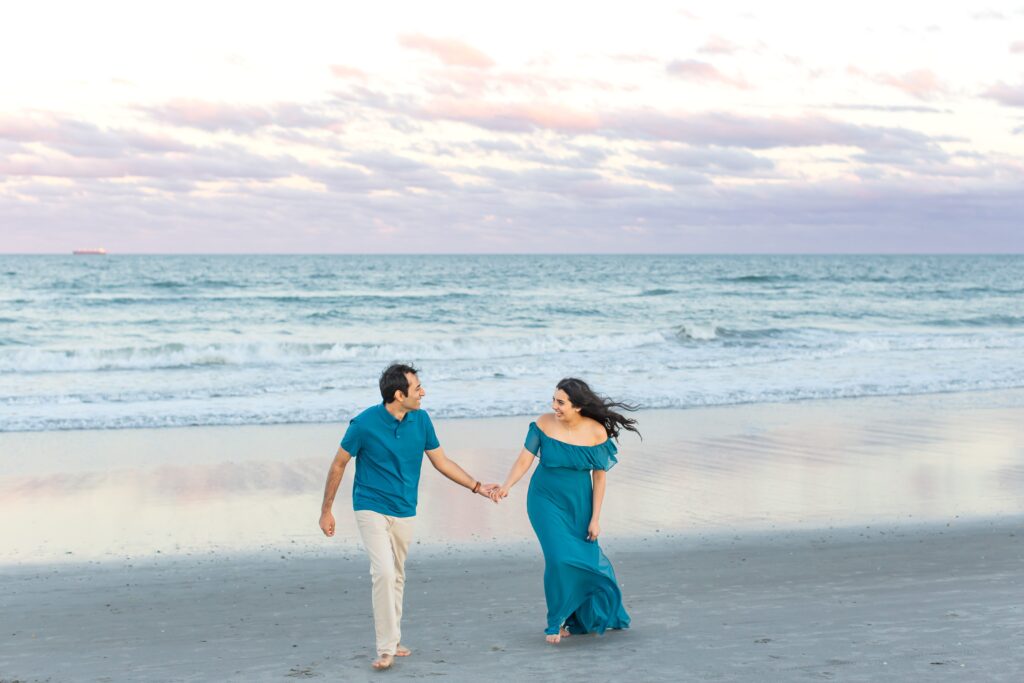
{"x":498,"y":493}
{"x":487,"y":491}
{"x":327,"y":523}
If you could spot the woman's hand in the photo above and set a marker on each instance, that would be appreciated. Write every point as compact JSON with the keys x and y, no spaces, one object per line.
{"x":594,"y":530}
{"x":499,"y":493}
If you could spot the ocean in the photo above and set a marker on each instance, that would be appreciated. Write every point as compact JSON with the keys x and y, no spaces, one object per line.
{"x":112,"y":342}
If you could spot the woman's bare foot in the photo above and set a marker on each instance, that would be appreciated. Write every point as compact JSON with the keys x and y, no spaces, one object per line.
{"x":383,"y":662}
{"x":402,"y":651}
{"x":563,"y":632}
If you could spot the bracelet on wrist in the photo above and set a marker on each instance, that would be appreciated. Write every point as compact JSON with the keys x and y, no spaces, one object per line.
{"x":476,"y":488}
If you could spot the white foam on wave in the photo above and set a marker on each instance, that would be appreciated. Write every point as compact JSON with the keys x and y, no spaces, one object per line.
{"x":277,"y":353}
{"x":327,"y":409}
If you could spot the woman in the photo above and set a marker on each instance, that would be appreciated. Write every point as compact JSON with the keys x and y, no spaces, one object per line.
{"x":574,"y":445}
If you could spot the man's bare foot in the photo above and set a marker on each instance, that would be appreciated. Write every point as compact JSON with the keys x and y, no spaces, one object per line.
{"x":402,"y":651}
{"x":383,"y":662}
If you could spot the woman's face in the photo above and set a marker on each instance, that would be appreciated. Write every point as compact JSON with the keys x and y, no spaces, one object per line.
{"x":562,"y":406}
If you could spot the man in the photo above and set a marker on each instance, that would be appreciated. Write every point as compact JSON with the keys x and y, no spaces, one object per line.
{"x":388,"y":442}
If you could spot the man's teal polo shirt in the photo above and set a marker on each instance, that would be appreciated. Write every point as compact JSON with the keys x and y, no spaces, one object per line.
{"x":389,"y":455}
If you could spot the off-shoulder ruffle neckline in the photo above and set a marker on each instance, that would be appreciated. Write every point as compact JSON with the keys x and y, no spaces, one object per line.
{"x":566,"y":443}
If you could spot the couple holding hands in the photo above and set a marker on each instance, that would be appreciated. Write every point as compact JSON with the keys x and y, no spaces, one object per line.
{"x":575,"y":448}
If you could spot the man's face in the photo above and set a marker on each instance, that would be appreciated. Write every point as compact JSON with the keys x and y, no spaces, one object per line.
{"x":416,"y":393}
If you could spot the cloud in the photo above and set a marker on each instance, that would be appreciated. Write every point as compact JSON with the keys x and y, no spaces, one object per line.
{"x":725,"y":129}
{"x":709,"y":159}
{"x":1017,"y":47}
{"x":347,"y":72}
{"x":201,"y":164}
{"x":920,"y":83}
{"x":536,"y":212}
{"x":703,"y":72}
{"x":400,"y":171}
{"x":513,"y":117}
{"x":451,"y":52}
{"x":722,"y":129}
{"x":920,"y":109}
{"x":221,"y":116}
{"x":1008,"y":95}
{"x":717,"y":45}
{"x":673,"y":177}
{"x":81,"y":138}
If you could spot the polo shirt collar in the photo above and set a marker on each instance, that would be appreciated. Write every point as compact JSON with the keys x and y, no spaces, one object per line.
{"x":391,"y":420}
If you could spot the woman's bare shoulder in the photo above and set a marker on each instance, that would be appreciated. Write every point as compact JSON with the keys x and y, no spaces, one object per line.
{"x":597,"y":431}
{"x":545,"y":422}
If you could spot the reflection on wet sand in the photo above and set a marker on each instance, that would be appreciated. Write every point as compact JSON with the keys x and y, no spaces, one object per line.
{"x":96,"y":495}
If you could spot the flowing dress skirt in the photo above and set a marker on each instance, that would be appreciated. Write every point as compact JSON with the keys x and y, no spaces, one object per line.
{"x":579,"y":581}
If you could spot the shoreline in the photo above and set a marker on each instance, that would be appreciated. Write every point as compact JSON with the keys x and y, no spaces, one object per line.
{"x":110,"y":495}
{"x":1010,"y":395}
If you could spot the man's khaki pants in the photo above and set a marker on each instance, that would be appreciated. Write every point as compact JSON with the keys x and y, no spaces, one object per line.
{"x":386,"y":540}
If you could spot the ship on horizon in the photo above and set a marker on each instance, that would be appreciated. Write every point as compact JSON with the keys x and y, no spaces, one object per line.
{"x":98,"y":251}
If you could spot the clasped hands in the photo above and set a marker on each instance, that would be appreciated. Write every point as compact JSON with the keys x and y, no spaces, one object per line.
{"x":496,"y":493}
{"x":488,"y":491}
{"x":493,"y":491}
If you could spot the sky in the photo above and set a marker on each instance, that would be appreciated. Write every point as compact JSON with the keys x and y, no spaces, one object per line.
{"x":527,"y":127}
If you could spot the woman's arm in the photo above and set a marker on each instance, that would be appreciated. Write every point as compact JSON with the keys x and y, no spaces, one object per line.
{"x":600,"y":479}
{"x":519,"y":468}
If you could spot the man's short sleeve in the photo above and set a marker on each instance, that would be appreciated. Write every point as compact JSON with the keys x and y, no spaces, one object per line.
{"x":352,"y":442}
{"x":430,"y":441}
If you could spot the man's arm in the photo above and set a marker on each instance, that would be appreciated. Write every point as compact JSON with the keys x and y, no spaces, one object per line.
{"x":449,"y":468}
{"x":334,"y":476}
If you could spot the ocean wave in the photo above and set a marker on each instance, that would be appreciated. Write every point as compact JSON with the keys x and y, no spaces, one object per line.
{"x":295,"y":412}
{"x":979,"y":321}
{"x":168,"y":356}
{"x":710,"y":332}
{"x":656,"y":292}
{"x":208,"y":283}
{"x":339,"y":298}
{"x":762,"y":278}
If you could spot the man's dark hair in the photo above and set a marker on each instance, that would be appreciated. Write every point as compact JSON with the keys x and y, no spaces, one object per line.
{"x":393,"y":379}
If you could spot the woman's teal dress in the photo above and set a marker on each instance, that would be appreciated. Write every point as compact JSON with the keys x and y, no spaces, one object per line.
{"x":579,"y":582}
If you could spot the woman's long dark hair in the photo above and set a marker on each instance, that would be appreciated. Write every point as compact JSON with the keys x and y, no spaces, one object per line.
{"x":598,"y":407}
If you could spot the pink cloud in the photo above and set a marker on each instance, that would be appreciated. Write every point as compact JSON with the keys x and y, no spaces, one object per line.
{"x":703,"y":72}
{"x":514,"y":117}
{"x":921,"y":83}
{"x":450,"y":51}
{"x":1009,"y":95}
{"x":348,"y":72}
{"x":717,"y":45}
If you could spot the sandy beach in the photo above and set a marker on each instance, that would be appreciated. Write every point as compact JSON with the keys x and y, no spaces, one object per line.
{"x":859,"y":604}
{"x":859,"y":540}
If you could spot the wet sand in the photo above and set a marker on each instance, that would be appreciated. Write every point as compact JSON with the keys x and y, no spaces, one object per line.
{"x":860,"y":540}
{"x":111,"y":495}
